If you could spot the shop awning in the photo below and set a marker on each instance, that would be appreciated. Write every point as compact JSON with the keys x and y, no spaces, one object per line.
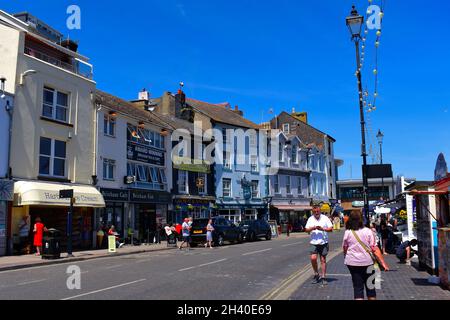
{"x":29,"y":193}
{"x":293,"y":208}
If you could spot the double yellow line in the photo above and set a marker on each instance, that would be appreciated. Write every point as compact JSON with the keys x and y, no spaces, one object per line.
{"x":288,"y":286}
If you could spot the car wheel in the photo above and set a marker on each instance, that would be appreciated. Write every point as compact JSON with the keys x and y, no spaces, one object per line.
{"x":220,"y":240}
{"x":240,"y":238}
{"x":253,"y":237}
{"x":269,"y":236}
{"x":193,"y":244}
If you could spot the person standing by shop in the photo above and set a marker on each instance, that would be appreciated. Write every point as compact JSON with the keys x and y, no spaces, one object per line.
{"x":318,"y":226}
{"x":38,"y":231}
{"x":360,"y":252}
{"x":24,"y":234}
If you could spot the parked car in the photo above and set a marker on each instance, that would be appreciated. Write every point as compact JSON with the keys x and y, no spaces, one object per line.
{"x":224,"y":230}
{"x":254,"y":229}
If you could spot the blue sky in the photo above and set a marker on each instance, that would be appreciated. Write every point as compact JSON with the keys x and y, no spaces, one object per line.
{"x":278,"y":54}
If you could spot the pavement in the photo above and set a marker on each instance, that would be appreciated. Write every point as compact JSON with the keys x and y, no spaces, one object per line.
{"x":402,"y":282}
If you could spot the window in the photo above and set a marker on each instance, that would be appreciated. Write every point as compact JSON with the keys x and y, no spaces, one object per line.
{"x":294,"y":157}
{"x":182,"y":181}
{"x":132,"y":134}
{"x":202,"y":189}
{"x":144,"y":136}
{"x":224,"y":135}
{"x":141,"y":174}
{"x":300,"y":186}
{"x":254,"y":163}
{"x":52,"y":157}
{"x":108,"y":169}
{"x":276,"y":184}
{"x":55,"y":104}
{"x":288,"y":185}
{"x":286,"y":128}
{"x":162,"y":174}
{"x":227,"y":160}
{"x":109,"y":127}
{"x":255,"y":189}
{"x":253,"y":140}
{"x":281,"y":153}
{"x":131,"y":169}
{"x":226,"y":186}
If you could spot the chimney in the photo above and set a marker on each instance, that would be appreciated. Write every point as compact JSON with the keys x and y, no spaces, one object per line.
{"x":144,"y":95}
{"x":239,"y":112}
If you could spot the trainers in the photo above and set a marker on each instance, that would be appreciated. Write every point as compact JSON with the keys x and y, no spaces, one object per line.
{"x":316,"y":279}
{"x":324,"y":282}
{"x":121,"y":245}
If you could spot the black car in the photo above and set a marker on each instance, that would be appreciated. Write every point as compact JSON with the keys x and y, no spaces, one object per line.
{"x":224,"y":230}
{"x":254,"y":229}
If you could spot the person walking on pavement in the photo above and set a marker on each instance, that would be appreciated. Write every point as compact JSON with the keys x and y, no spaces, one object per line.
{"x":186,"y":232}
{"x":38,"y":231}
{"x":318,"y":226}
{"x":361,"y":252}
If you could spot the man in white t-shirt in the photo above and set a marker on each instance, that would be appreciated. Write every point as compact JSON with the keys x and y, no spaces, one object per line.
{"x":318,"y":226}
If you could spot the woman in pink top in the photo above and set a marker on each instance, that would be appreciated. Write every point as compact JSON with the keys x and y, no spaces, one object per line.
{"x":358,"y":258}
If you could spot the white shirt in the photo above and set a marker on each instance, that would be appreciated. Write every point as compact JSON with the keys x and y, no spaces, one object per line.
{"x":319,"y":237}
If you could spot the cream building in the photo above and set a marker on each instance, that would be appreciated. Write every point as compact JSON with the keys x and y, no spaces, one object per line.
{"x":53,"y":126}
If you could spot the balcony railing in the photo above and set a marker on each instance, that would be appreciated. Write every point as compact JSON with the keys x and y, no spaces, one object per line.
{"x":78,"y":67}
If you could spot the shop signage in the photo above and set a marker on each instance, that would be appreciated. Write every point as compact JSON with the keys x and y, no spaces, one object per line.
{"x":115,"y":195}
{"x":360,"y":204}
{"x":66,"y":194}
{"x":111,"y":244}
{"x":149,"y":196}
{"x":145,"y":154}
{"x":193,"y":202}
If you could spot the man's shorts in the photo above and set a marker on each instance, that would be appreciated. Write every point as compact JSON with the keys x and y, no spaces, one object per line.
{"x":321,"y":249}
{"x":187,"y":239}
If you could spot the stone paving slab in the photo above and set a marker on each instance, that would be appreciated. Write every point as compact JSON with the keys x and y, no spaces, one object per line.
{"x":401,"y":283}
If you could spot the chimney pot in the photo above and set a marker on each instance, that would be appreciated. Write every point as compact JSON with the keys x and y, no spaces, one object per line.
{"x":144,"y":95}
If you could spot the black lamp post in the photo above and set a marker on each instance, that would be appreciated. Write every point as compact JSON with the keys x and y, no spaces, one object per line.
{"x":380,"y":137}
{"x":354,"y":24}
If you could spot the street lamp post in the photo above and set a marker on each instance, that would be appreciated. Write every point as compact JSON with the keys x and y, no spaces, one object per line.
{"x":380,"y":137}
{"x":354,"y":23}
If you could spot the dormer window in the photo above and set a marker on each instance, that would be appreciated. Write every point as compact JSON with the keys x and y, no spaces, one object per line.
{"x":286,"y":128}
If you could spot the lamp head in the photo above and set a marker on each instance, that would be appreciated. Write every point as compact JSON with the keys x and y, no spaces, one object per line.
{"x":380,"y":136}
{"x":354,"y":23}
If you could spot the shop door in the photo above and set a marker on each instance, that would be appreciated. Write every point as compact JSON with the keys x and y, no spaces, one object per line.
{"x":147,"y":223}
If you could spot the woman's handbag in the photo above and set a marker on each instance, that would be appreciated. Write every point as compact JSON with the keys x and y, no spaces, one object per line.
{"x":378,"y":260}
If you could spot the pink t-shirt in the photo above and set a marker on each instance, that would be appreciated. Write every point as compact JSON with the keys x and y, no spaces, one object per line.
{"x":356,"y":254}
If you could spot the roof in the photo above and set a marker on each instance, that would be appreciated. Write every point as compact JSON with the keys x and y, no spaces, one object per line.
{"x":221,"y":113}
{"x":127,"y":108}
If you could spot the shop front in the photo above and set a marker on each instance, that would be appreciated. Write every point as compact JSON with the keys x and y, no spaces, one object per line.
{"x":114,"y":213}
{"x":37,"y":199}
{"x":294,"y":213}
{"x":192,"y":206}
{"x":149,"y":209}
{"x":239,"y":212}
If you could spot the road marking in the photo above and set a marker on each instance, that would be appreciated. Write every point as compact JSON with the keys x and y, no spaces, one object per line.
{"x":255,"y":252}
{"x":339,"y":275}
{"x":291,"y":244}
{"x":114,"y":266}
{"x":287,"y":287}
{"x":106,"y":289}
{"x":143,"y":261}
{"x":31,"y":282}
{"x":202,"y":265}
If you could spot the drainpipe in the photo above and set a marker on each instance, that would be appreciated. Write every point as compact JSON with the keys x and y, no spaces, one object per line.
{"x":9,"y":240}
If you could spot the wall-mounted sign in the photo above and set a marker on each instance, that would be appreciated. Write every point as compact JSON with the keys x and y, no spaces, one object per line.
{"x":149,"y":196}
{"x":129,"y":179}
{"x":115,"y":194}
{"x":145,"y":154}
{"x":200,"y":183}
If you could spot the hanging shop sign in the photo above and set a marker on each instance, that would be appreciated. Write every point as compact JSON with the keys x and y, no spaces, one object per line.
{"x":145,"y":154}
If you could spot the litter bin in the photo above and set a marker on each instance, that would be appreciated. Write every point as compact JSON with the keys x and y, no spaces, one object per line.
{"x":51,"y":248}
